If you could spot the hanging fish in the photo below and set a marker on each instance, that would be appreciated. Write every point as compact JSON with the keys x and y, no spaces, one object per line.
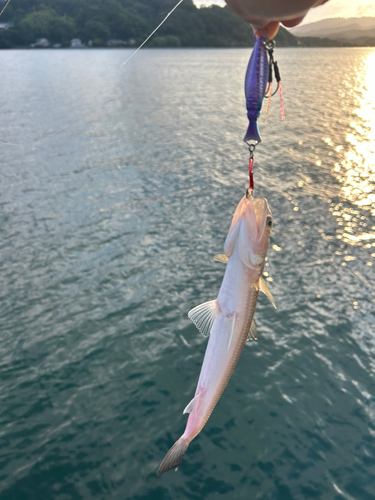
{"x":255,"y":86}
{"x":228,"y":319}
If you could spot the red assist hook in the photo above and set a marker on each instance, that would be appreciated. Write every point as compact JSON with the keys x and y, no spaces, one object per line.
{"x":251,"y":164}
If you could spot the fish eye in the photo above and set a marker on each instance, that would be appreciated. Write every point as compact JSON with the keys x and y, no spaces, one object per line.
{"x":269,"y":222}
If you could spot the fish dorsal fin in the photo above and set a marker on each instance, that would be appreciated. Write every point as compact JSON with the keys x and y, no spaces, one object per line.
{"x":252,"y":335}
{"x":203,"y":316}
{"x":264,"y":288}
{"x":191,"y":405}
{"x":221,"y":258}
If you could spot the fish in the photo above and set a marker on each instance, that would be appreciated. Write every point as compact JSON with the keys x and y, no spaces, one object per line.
{"x":255,"y":87}
{"x":228,"y":319}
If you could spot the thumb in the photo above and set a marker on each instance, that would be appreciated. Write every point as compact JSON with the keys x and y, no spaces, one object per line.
{"x":272,"y":28}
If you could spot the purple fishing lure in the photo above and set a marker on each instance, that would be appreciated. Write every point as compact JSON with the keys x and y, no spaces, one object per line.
{"x":255,"y":87}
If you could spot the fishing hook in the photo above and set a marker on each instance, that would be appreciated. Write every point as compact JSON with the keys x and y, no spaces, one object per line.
{"x":251,"y":164}
{"x":273,"y":68}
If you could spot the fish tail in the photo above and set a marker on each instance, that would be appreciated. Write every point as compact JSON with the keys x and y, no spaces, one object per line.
{"x":174,"y":456}
{"x":252,"y":133}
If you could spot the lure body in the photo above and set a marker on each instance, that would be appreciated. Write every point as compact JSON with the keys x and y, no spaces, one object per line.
{"x":255,"y":87}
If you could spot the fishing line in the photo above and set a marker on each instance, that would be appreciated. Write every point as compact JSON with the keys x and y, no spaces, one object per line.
{"x":5,"y":6}
{"x":100,"y":91}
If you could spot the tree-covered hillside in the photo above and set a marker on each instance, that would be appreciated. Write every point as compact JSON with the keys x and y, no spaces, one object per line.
{"x":129,"y":20}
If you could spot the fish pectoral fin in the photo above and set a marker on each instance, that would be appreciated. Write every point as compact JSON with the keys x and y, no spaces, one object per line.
{"x":203,"y":316}
{"x":221,"y":258}
{"x":191,"y":405}
{"x":252,"y":335}
{"x":264,"y":288}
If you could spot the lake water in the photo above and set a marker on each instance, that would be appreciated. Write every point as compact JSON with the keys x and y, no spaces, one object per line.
{"x":107,"y":233}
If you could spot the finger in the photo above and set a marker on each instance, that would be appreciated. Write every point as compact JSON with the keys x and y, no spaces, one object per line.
{"x":272,"y":28}
{"x":290,"y":23}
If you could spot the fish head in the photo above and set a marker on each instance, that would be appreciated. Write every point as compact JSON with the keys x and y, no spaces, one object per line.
{"x":250,"y":230}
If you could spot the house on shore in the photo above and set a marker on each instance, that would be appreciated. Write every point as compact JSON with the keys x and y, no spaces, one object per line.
{"x":41,"y":43}
{"x":76,"y":43}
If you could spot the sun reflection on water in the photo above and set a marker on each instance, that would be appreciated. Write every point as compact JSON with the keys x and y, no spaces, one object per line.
{"x":356,"y":170}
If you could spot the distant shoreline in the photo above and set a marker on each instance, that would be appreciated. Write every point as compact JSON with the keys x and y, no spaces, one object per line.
{"x":124,"y":24}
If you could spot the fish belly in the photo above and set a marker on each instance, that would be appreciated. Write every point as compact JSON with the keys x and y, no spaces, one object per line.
{"x":236,"y":301}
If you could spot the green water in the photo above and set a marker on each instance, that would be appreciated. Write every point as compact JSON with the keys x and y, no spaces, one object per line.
{"x":107,"y":233}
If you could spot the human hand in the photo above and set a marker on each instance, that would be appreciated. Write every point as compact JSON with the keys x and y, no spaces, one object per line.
{"x":267,"y":14}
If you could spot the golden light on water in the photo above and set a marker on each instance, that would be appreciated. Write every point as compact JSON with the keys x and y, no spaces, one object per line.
{"x":356,"y":171}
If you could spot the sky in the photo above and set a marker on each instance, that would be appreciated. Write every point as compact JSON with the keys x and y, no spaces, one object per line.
{"x":333,"y":8}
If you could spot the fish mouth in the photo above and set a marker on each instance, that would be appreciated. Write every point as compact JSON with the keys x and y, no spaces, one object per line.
{"x":250,"y":227}
{"x":255,"y":213}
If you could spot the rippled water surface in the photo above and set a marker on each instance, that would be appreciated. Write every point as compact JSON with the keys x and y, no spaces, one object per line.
{"x":108,"y":229}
